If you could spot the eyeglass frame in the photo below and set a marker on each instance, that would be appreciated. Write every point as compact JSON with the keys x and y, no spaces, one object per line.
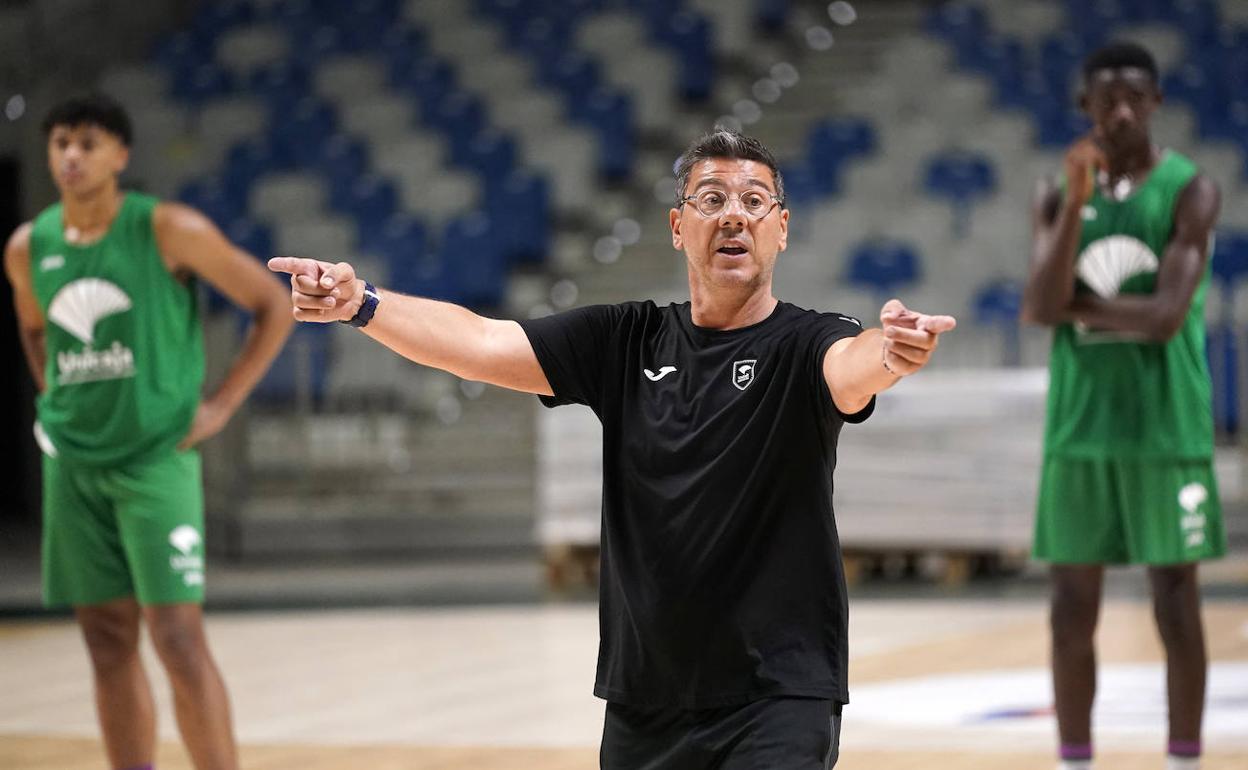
{"x":776,"y":200}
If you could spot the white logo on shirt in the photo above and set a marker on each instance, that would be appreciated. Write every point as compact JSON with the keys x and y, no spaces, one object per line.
{"x":1088,"y":213}
{"x":853,"y":321}
{"x":663,"y":372}
{"x":52,"y":262}
{"x":1192,"y":523}
{"x":743,"y":373}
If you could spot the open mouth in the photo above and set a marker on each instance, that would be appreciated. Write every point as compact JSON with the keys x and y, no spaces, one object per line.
{"x":732,"y":251}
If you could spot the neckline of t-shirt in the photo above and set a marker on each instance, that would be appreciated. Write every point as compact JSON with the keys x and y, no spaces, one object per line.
{"x":687,"y":316}
{"x":108,"y":233}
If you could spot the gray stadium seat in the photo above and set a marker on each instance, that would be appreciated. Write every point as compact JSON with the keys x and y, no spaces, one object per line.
{"x":287,"y":195}
{"x":247,"y":49}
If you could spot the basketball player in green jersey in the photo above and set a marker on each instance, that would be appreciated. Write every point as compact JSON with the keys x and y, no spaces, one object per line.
{"x":104,"y":284}
{"x":1120,"y":268}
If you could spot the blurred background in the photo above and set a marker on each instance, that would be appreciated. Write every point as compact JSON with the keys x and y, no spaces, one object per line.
{"x":516,"y":156}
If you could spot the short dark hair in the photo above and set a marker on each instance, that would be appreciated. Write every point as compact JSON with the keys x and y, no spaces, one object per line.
{"x":1116,"y":55}
{"x":725,"y":143}
{"x":93,"y":109}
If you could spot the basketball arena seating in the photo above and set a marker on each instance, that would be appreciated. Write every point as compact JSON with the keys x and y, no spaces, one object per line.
{"x":969,"y":103}
{"x":378,"y":131}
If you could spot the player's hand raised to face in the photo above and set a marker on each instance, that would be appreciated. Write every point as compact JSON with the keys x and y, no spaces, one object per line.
{"x":320,"y":291}
{"x":910,"y":337}
{"x":1084,"y":158}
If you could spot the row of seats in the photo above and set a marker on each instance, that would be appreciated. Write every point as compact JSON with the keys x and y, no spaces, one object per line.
{"x":1212,"y":78}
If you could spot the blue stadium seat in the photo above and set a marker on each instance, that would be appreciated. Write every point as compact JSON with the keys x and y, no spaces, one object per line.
{"x":343,"y":159}
{"x":1230,"y":257}
{"x":460,"y":116}
{"x":1198,"y":20}
{"x":801,"y":185}
{"x":1223,"y":359}
{"x":883,"y":265}
{"x":415,"y":268}
{"x":401,"y":46}
{"x":182,"y":51}
{"x":252,"y":237}
{"x":1001,"y":58}
{"x":961,"y":177}
{"x":201,"y":82}
{"x":302,"y":367}
{"x":427,"y":78}
{"x":961,"y":24}
{"x":575,"y":74}
{"x":214,"y":19}
{"x":1060,"y":57}
{"x":361,"y":23}
{"x":610,"y":114}
{"x":294,"y":13}
{"x":832,"y":142}
{"x":371,"y":199}
{"x":281,"y":85}
{"x":247,"y":161}
{"x":1028,"y":90}
{"x":301,"y":133}
{"x":213,"y":199}
{"x":402,"y":241}
{"x":1057,"y":125}
{"x":316,"y":43}
{"x":998,"y":304}
{"x":520,"y":209}
{"x":688,"y":34}
{"x":473,"y":259}
{"x":490,"y":153}
{"x":772,"y":15}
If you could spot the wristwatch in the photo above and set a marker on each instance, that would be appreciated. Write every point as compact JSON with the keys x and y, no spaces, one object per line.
{"x":367,"y":307}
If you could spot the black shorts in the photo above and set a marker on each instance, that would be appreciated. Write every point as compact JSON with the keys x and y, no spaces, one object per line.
{"x":768,"y":734}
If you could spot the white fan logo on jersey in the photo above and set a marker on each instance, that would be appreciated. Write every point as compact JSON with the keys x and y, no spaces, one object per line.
{"x":1107,"y":263}
{"x":80,"y":304}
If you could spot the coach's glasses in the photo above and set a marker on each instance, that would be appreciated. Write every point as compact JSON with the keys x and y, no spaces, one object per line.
{"x":755,"y":203}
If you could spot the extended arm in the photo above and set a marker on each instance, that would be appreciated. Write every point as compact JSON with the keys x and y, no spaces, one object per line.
{"x":856,"y":368}
{"x":432,"y":333}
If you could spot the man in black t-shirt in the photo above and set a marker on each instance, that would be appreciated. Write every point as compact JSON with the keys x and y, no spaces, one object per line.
{"x":723,"y":613}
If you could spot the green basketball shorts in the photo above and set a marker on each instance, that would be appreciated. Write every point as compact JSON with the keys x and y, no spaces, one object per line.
{"x":1128,"y":512}
{"x":136,"y":530}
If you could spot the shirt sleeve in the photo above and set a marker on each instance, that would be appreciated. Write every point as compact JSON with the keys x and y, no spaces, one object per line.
{"x":573,"y":348}
{"x":830,"y":328}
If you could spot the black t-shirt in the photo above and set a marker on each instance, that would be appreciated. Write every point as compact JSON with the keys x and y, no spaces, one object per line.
{"x":721,"y":578}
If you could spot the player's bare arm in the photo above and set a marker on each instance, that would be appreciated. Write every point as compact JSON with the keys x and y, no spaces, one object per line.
{"x":437,"y":334}
{"x":30,"y":321}
{"x":1056,"y":227}
{"x":191,"y":243}
{"x":1158,"y":316}
{"x":857,"y":368}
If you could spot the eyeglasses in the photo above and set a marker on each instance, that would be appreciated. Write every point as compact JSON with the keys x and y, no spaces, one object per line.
{"x":755,"y":203}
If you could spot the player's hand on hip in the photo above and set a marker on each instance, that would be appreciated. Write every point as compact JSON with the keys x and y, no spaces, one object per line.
{"x":210,"y":418}
{"x":320,"y":291}
{"x":910,"y":337}
{"x":1083,"y":160}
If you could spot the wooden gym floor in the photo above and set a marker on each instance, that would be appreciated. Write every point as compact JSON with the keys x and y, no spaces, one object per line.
{"x":936,"y":684}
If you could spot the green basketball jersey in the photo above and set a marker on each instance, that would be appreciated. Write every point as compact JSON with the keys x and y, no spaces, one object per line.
{"x":1111,"y":396}
{"x":125,"y":351}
